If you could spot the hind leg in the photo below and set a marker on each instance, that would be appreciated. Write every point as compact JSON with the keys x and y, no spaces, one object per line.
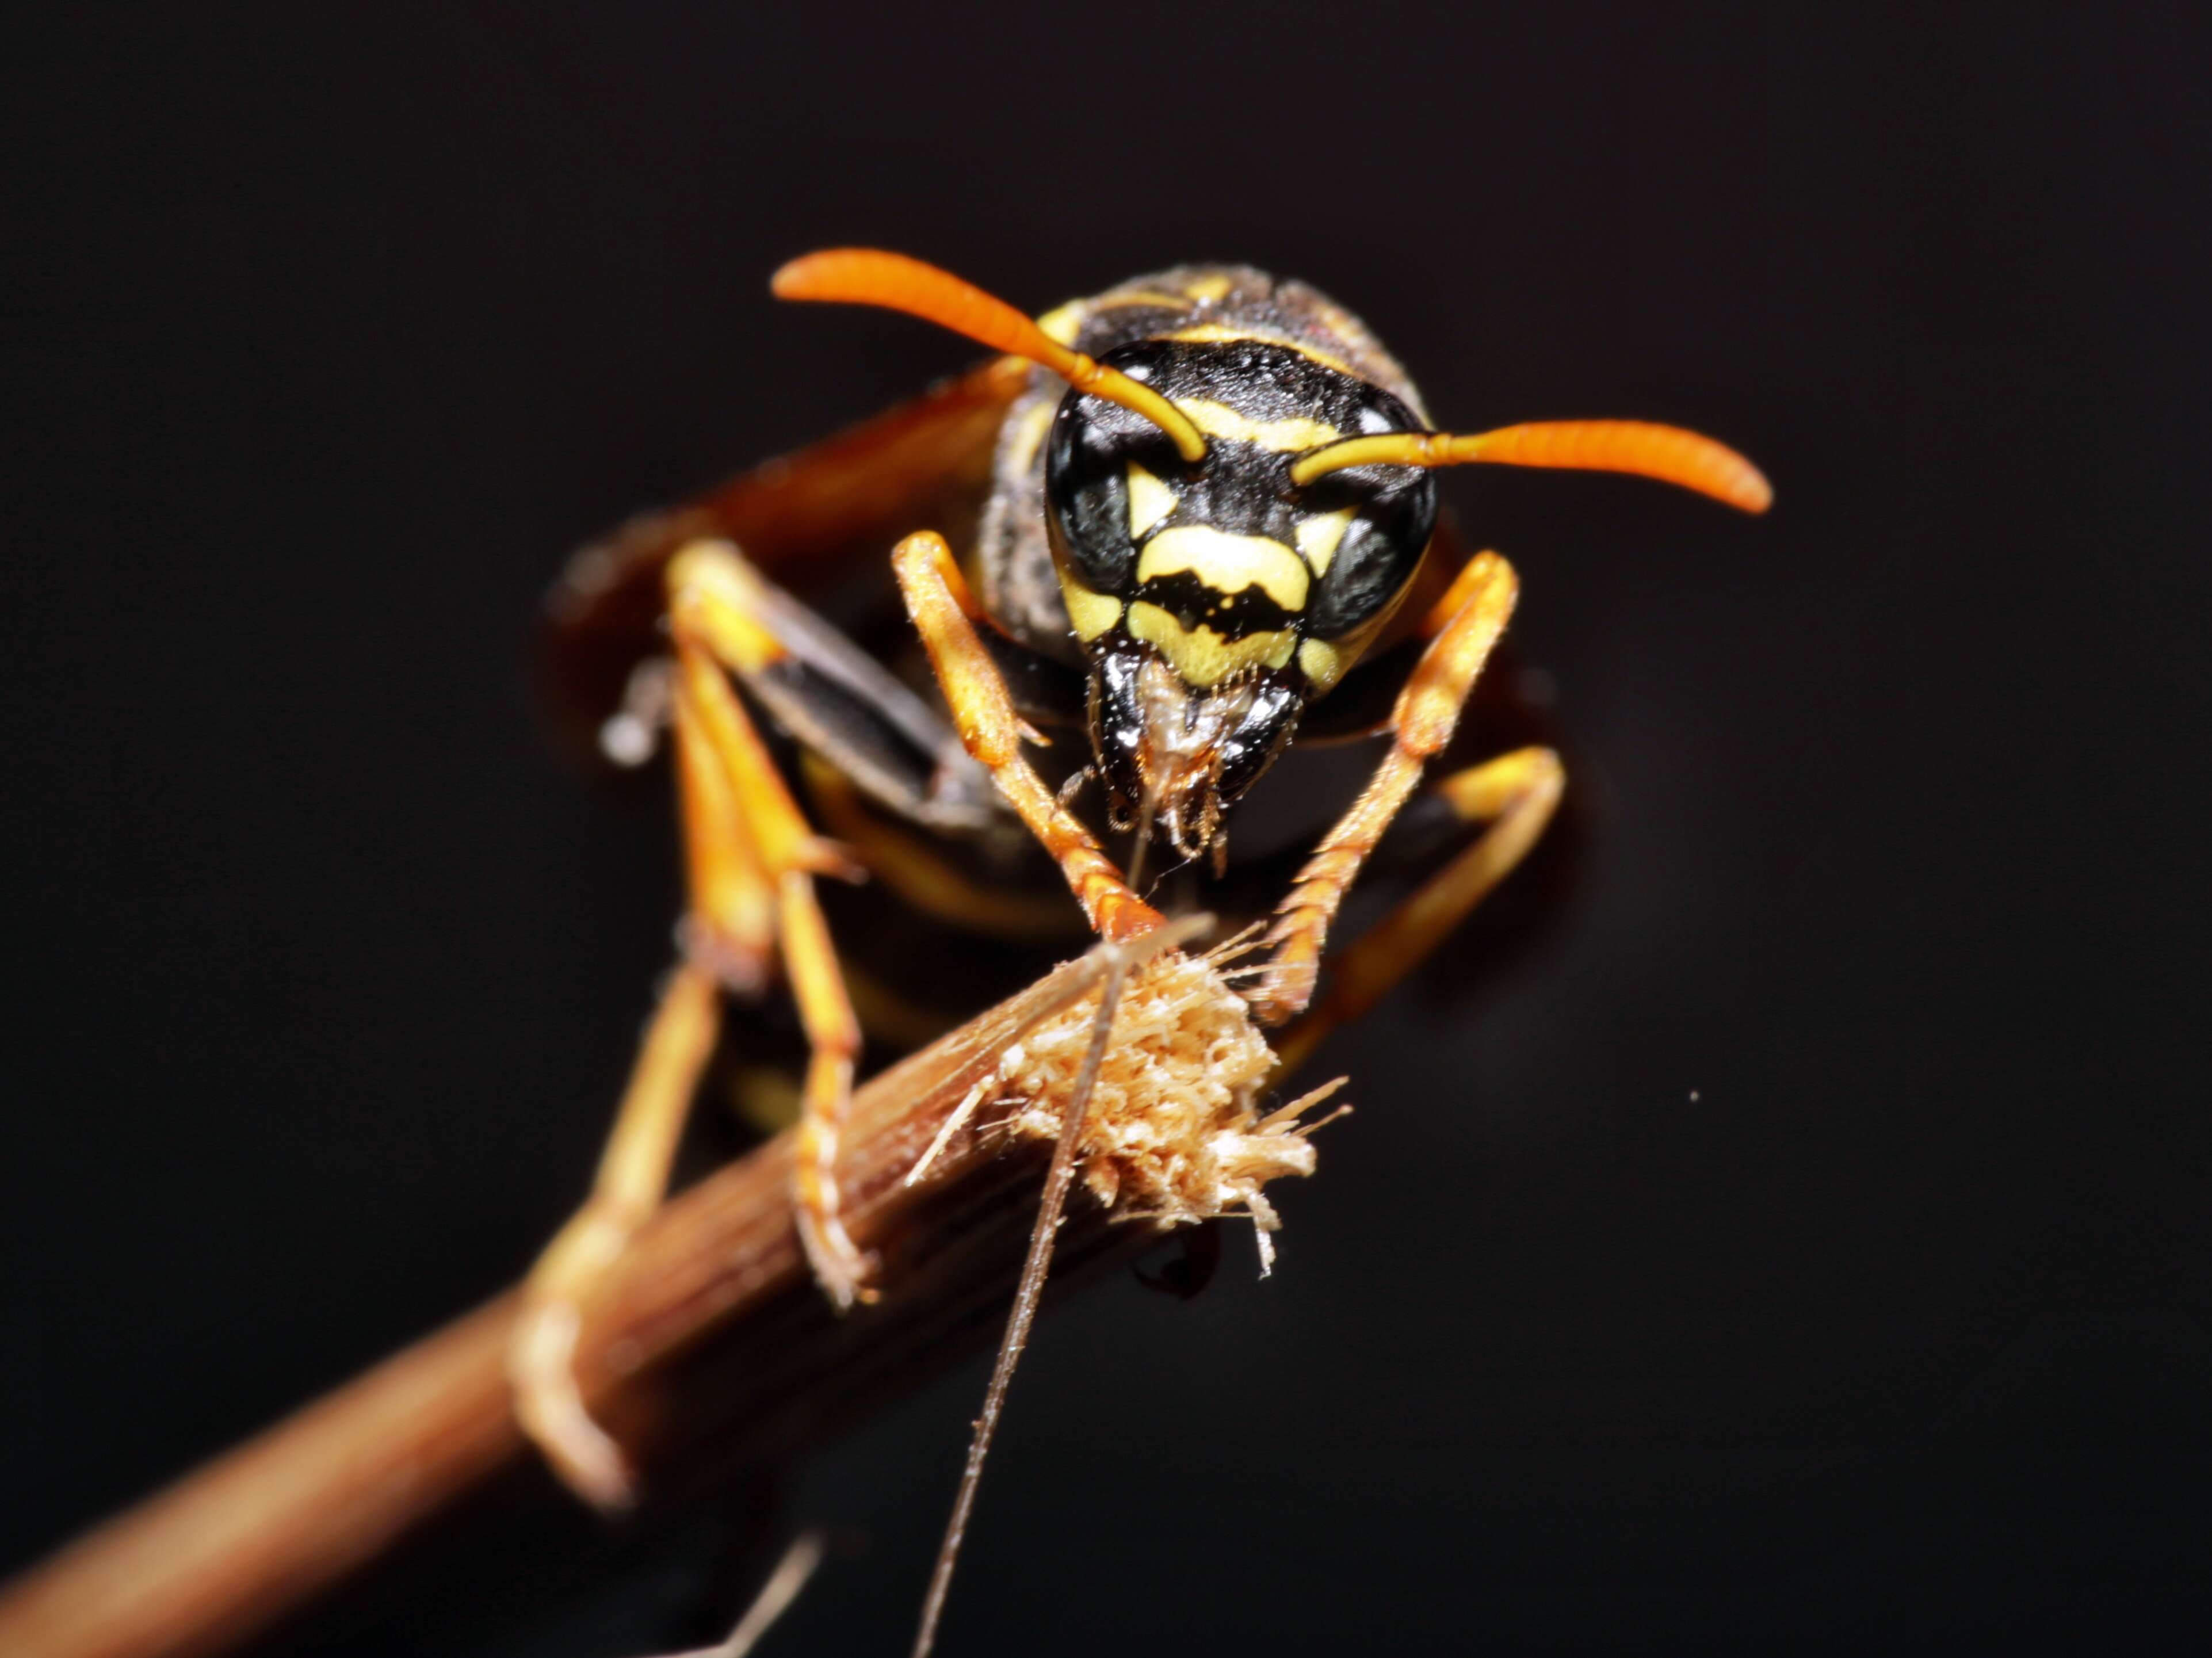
{"x":632,"y":1176}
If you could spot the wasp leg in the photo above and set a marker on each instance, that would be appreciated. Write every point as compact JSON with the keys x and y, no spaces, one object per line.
{"x":708,"y":631}
{"x":750,"y":861}
{"x":865,"y":737}
{"x":945,"y":613}
{"x":1475,"y":577}
{"x":818,"y":514}
{"x":835,"y":699}
{"x":632,"y":1176}
{"x":1515,"y":795}
{"x":1427,"y":709}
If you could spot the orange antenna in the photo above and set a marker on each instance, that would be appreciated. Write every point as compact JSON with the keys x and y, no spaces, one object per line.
{"x":865,"y":275}
{"x":1666,"y":452}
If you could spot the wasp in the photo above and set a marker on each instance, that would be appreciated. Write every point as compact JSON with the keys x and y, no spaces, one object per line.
{"x":1191,"y":517}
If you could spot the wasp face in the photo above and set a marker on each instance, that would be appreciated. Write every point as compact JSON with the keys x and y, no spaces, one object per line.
{"x":1215,"y":599}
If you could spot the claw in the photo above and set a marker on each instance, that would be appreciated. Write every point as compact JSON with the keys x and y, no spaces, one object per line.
{"x":842,"y":1268}
{"x":1284,"y":991}
{"x":541,"y":1362}
{"x":541,"y":1369}
{"x":820,"y":855}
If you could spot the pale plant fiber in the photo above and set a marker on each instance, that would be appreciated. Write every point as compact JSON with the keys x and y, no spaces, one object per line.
{"x":1174,"y":1134}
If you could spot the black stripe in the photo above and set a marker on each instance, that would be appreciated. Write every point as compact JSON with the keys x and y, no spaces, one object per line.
{"x":1185,"y":596}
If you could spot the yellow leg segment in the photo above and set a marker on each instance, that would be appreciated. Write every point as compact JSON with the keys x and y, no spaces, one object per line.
{"x":1428,"y":710}
{"x":833,"y":1037}
{"x":1516,"y":794}
{"x":632,"y":1177}
{"x":944,"y":613}
{"x":707,"y":618}
{"x":729,"y":925}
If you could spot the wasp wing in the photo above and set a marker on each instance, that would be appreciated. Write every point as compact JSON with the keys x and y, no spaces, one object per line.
{"x":805,"y":519}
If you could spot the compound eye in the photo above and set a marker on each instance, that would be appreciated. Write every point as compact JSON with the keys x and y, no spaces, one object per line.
{"x":1087,"y":497}
{"x":1373,"y":563}
{"x":1095,"y":450}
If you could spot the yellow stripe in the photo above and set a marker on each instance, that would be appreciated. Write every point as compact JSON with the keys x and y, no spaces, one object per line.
{"x":1029,"y":436}
{"x":1152,"y":296}
{"x":1063,"y":323}
{"x":1228,"y":563}
{"x":1214,"y":333}
{"x":1202,"y":657}
{"x":1092,"y":614}
{"x":1291,"y":436}
{"x":1323,"y":663}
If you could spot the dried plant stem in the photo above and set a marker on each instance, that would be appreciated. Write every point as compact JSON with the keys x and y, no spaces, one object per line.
{"x":709,"y":1331}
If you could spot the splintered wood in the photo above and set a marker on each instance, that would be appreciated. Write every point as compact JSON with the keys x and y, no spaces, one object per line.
{"x":1174,"y":1134}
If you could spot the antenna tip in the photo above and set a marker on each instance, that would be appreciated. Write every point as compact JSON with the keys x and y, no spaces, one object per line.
{"x":819,"y":275}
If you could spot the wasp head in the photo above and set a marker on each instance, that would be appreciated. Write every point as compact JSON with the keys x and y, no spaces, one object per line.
{"x":1215,"y":598}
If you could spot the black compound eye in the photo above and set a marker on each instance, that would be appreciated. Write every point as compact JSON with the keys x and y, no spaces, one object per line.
{"x":1086,"y":487}
{"x":1395,"y":510}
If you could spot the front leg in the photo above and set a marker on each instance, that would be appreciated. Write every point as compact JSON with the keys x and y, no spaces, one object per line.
{"x":1481,"y":602}
{"x":945,"y":613}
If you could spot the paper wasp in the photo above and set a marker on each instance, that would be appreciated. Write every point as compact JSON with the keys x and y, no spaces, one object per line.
{"x":1191,"y":509}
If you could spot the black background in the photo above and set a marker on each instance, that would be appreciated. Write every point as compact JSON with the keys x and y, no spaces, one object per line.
{"x":1807,"y":1240}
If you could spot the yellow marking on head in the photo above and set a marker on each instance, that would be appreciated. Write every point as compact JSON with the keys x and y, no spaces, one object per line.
{"x":1063,"y":323}
{"x":1202,"y":657}
{"x":1228,"y":563}
{"x":1029,"y":436}
{"x":1150,"y":501}
{"x":1208,"y":287}
{"x":1090,"y":614}
{"x":1214,"y":333}
{"x":1324,"y":664}
{"x":1152,"y":296}
{"x":1320,"y":534}
{"x":1291,"y":436}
